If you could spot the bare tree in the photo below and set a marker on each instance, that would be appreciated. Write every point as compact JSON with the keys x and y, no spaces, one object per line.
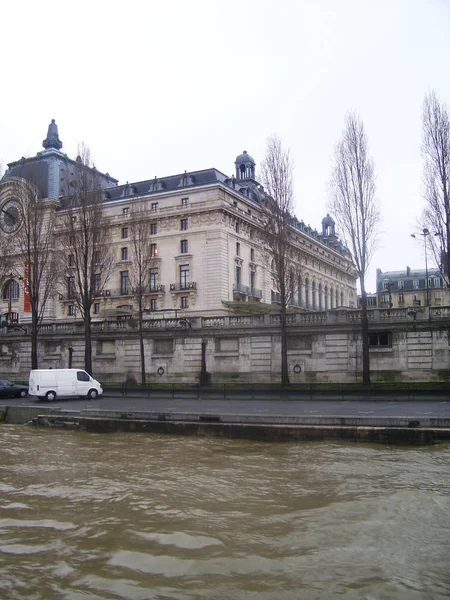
{"x":32,"y":246}
{"x":142,"y":258}
{"x":436,"y":154}
{"x":276,"y":176}
{"x":87,"y":256}
{"x":356,"y":209}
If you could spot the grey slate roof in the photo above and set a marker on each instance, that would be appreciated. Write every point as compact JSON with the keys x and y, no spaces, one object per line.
{"x":172,"y":183}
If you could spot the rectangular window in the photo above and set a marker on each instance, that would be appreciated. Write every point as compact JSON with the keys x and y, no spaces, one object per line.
{"x":153,"y":228}
{"x":184,"y":224}
{"x":124,"y":233}
{"x":153,"y":305}
{"x":401,"y":284}
{"x":154,"y":206}
{"x":74,"y":219}
{"x":71,"y":310}
{"x":124,"y":282}
{"x":184,"y":301}
{"x":252,"y":279}
{"x":238,"y":249}
{"x":71,"y":260}
{"x":153,"y":280}
{"x":416,"y":284}
{"x":125,"y":211}
{"x":96,"y":308}
{"x":252,"y":254}
{"x":401,"y":298}
{"x":184,"y":277}
{"x":153,"y":250}
{"x":124,"y":254}
{"x":238,"y":275}
{"x":97,"y":257}
{"x":238,"y":228}
{"x":71,"y":287}
{"x":380,"y":340}
{"x":97,"y":237}
{"x":184,"y":201}
{"x":184,"y":246}
{"x":97,"y":283}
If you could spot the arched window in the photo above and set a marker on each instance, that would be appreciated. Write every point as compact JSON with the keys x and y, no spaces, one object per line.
{"x":342,"y":298}
{"x":313,"y":294}
{"x":11,"y":290}
{"x":326,"y":297}
{"x":291,"y":289}
{"x":299,"y":292}
{"x":320,"y":297}
{"x":337,"y":299}
{"x":331,"y":298}
{"x":306,"y":293}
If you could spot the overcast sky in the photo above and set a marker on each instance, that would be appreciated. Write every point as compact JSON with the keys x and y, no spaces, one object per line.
{"x":160,"y":87}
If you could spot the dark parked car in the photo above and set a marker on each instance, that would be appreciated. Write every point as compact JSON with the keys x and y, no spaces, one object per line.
{"x":8,"y":388}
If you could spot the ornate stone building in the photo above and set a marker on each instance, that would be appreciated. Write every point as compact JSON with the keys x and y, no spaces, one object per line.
{"x":208,"y":249}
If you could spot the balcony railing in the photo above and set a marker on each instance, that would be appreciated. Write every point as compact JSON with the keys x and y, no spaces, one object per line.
{"x":183,"y":286}
{"x":240,"y":288}
{"x":156,"y":289}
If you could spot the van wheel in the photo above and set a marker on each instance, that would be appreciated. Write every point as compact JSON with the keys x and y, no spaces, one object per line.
{"x":50,"y":396}
{"x":92,"y":394}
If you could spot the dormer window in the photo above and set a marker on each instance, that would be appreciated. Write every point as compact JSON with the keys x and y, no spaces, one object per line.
{"x":125,"y":211}
{"x":184,"y":201}
{"x":186,"y":180}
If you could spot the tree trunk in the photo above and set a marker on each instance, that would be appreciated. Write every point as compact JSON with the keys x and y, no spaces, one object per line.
{"x":365,"y":337}
{"x":87,"y":343}
{"x":34,"y":341}
{"x":284,"y":361}
{"x":141,"y":345}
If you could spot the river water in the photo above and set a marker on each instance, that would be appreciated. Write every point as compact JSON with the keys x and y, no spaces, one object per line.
{"x":85,"y":516}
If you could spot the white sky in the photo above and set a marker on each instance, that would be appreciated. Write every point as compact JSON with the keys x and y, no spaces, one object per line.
{"x":159,"y":87}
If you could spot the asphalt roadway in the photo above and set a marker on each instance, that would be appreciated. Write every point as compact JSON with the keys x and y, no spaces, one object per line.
{"x":386,"y":406}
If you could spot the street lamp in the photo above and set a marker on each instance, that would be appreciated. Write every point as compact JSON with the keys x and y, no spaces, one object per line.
{"x":425,"y":233}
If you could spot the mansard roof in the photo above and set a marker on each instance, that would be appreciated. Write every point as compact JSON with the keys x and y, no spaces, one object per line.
{"x":172,"y":183}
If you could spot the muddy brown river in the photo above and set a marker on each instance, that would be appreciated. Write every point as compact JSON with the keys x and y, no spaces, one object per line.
{"x":88,"y":517}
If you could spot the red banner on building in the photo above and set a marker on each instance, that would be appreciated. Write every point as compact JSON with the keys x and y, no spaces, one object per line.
{"x":26,"y":288}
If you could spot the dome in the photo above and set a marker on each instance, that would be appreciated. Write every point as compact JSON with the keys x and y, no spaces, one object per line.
{"x":245,"y":158}
{"x":327,"y":221}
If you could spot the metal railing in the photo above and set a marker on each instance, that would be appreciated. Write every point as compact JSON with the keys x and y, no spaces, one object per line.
{"x":183,"y":286}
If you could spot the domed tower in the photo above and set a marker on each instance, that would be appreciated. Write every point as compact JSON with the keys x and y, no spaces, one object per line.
{"x":245,"y":166}
{"x":328,"y":227}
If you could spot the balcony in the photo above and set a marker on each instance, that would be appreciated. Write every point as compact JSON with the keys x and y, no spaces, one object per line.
{"x":156,"y":289}
{"x":245,"y":290}
{"x":183,"y":286}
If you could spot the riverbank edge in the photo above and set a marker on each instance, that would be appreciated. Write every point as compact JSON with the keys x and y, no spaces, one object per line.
{"x":250,"y":431}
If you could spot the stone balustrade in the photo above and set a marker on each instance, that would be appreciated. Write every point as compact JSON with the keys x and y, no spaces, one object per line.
{"x":339,"y":317}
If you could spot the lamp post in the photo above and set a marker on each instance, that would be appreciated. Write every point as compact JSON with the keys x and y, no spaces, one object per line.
{"x":425,"y":233}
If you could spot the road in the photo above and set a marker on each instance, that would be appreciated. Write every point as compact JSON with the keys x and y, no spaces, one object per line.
{"x":419,"y":408}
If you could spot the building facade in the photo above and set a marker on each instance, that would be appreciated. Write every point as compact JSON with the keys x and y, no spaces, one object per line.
{"x":208,"y":251}
{"x":411,"y":289}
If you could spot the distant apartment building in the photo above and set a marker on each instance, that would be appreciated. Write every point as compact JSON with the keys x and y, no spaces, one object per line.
{"x":411,"y":288}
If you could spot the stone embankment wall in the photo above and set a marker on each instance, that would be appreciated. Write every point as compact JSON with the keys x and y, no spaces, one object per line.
{"x":322,"y":347}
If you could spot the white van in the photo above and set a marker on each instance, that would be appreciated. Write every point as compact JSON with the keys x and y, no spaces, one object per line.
{"x":48,"y":384}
